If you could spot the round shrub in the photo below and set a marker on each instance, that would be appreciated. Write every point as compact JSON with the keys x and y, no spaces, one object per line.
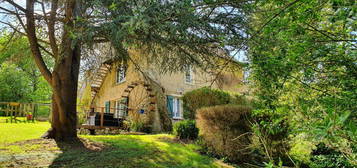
{"x":225,"y":130}
{"x":203,"y":97}
{"x":186,"y":129}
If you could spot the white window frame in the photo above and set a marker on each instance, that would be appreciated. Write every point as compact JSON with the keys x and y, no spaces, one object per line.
{"x":120,"y":74}
{"x":246,"y":74}
{"x":177,"y":108}
{"x":188,"y":75}
{"x":120,"y":109}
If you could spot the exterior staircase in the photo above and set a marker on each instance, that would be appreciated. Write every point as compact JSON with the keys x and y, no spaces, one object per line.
{"x":98,"y":78}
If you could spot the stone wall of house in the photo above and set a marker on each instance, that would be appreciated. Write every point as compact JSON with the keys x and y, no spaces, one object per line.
{"x":163,"y":84}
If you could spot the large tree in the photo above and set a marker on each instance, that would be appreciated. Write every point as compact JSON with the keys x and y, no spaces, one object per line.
{"x":304,"y":68}
{"x":173,"y":33}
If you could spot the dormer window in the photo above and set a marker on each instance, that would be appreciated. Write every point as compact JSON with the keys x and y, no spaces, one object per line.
{"x":120,"y":74}
{"x":188,"y":74}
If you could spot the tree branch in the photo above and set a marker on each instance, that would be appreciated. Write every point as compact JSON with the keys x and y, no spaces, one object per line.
{"x":31,"y":35}
{"x":51,"y":28}
{"x":16,"y":5}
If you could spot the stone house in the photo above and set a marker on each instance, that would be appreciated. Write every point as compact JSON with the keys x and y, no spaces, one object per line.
{"x":153,"y":99}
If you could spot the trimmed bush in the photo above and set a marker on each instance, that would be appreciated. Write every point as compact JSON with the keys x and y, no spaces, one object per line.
{"x":186,"y":129}
{"x":225,"y":130}
{"x":203,"y":97}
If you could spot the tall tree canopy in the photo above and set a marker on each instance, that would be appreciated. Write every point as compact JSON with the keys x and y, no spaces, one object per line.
{"x":171,"y":32}
{"x":304,"y":67}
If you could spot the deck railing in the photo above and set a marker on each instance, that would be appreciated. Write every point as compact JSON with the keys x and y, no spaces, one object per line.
{"x":89,"y":113}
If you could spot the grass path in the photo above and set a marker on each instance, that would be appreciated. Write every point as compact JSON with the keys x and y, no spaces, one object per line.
{"x":20,"y":148}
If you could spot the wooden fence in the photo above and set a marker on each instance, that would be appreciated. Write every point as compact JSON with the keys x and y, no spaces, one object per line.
{"x":14,"y":111}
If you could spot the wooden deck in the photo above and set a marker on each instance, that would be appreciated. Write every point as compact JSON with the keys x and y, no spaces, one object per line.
{"x":94,"y":127}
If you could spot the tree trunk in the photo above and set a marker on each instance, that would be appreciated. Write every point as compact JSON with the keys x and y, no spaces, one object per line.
{"x":64,"y":99}
{"x":64,"y":81}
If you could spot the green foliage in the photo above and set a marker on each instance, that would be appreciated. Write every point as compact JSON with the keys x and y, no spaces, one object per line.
{"x":14,"y":84}
{"x":271,"y":164}
{"x":271,"y":135}
{"x":84,"y":101}
{"x":172,"y":33}
{"x":325,"y":157}
{"x":203,"y":97}
{"x":20,"y":79}
{"x":43,"y":112}
{"x":303,"y":67}
{"x":301,"y":149}
{"x":186,"y":129}
{"x":226,"y":131}
{"x":136,"y":126}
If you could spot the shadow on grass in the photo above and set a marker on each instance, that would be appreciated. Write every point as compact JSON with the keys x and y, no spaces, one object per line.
{"x":129,"y":151}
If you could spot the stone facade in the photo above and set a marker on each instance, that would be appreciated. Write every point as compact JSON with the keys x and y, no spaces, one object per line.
{"x":147,"y":81}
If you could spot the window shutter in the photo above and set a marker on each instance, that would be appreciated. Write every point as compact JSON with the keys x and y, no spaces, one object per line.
{"x":178,"y":108}
{"x":107,"y":107}
{"x":169,"y":104}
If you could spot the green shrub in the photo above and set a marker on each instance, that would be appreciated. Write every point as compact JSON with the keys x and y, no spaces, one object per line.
{"x":225,"y":130}
{"x":43,"y":111}
{"x":325,"y":157}
{"x":186,"y":129}
{"x":136,"y":126}
{"x":203,"y":97}
{"x":271,"y":138}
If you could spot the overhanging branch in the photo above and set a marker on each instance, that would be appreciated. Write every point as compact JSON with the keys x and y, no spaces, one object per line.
{"x":35,"y":47}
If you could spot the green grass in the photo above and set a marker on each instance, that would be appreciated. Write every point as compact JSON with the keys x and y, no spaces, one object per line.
{"x":153,"y":151}
{"x":12,"y":132}
{"x":124,"y":151}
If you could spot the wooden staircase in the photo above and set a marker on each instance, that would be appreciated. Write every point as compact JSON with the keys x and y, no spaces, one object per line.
{"x":98,"y":78}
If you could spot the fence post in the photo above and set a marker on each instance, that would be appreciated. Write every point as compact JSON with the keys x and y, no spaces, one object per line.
{"x":34,"y":112}
{"x":102,"y":117}
{"x":11,"y":113}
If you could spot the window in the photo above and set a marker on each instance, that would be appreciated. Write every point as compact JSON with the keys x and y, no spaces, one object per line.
{"x":188,"y":74}
{"x":120,"y":74}
{"x":174,"y":106}
{"x":121,"y":109}
{"x":107,"y":106}
{"x":245,"y":76}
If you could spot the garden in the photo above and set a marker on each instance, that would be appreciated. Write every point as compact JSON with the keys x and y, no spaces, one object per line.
{"x":279,"y":87}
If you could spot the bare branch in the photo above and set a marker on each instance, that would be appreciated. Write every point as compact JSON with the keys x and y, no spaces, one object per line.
{"x":20,"y":20}
{"x":8,"y":10}
{"x":13,"y":27}
{"x":51,"y":28}
{"x":31,"y":34}
{"x":45,"y":50}
{"x":43,"y":11}
{"x":16,"y":5}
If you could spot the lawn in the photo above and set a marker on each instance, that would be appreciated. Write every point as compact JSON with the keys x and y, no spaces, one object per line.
{"x":10,"y":133}
{"x":20,"y":148}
